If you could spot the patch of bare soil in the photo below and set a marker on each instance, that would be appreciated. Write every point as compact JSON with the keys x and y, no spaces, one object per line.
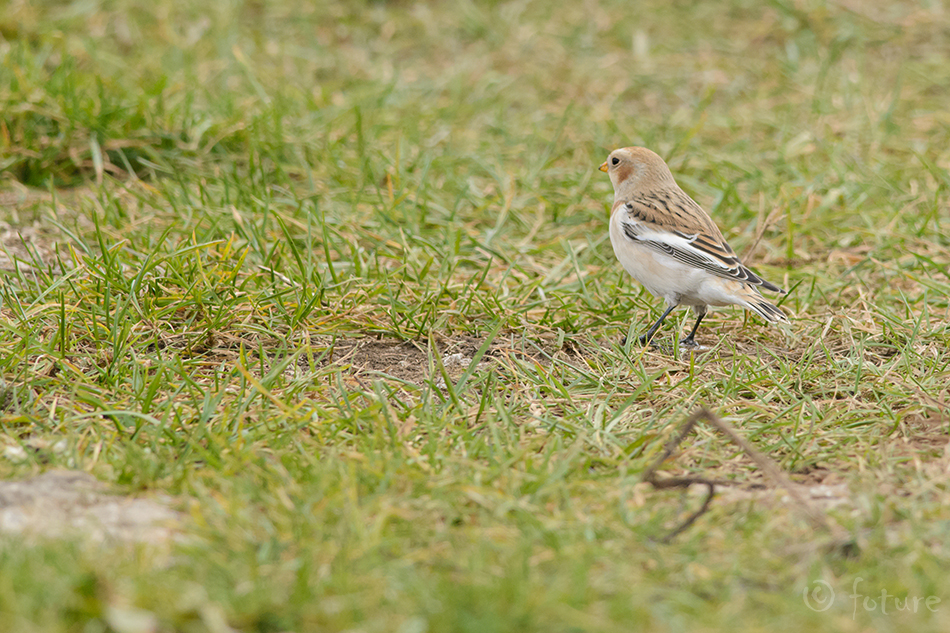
{"x":24,"y":247}
{"x":404,"y":360}
{"x":411,"y":360}
{"x":63,"y":503}
{"x":823,"y":496}
{"x":27,"y":240}
{"x":924,"y":435}
{"x":19,"y":196}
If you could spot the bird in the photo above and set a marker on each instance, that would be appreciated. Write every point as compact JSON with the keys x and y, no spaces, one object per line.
{"x":669,"y":244}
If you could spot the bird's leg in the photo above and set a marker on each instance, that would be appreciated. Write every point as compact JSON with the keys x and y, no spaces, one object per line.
{"x":656,"y":326}
{"x":688,"y":341}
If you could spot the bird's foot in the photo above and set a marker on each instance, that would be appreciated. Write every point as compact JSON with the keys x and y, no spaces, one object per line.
{"x":689,"y":342}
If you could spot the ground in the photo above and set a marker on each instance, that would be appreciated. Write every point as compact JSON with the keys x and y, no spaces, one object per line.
{"x":311,"y":320}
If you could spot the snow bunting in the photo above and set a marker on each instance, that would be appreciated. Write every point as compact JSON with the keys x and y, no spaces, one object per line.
{"x":671,"y":246}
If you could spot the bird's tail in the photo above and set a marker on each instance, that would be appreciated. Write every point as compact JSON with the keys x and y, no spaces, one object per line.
{"x":754,"y":301}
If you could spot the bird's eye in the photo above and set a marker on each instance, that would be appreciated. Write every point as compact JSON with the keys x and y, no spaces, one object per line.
{"x":614,"y":161}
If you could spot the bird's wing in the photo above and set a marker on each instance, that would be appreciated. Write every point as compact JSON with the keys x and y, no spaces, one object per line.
{"x":678,"y":227}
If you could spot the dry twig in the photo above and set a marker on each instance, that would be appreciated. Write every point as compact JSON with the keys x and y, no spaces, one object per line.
{"x":816,"y":517}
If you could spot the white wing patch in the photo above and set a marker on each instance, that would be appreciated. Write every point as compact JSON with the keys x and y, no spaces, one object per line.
{"x":681,"y":247}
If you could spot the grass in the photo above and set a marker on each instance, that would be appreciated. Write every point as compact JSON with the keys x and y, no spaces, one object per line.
{"x":242,"y":241}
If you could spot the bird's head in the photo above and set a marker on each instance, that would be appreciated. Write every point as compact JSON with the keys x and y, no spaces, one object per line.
{"x":633,"y":169}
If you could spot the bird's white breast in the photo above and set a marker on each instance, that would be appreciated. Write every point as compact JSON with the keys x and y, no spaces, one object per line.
{"x":660,"y":274}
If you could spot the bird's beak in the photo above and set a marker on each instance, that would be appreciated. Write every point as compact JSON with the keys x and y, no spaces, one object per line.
{"x":603,"y":167}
